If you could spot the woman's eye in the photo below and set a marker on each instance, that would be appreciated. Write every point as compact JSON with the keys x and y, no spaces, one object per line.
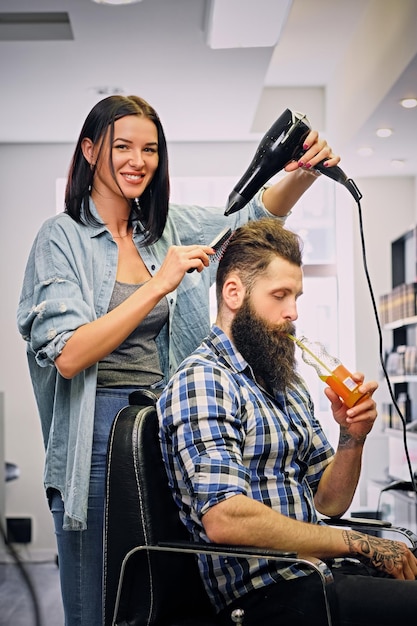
{"x":151,"y":150}
{"x":121,"y":146}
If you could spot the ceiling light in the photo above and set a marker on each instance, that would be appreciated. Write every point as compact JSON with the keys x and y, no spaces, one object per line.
{"x":397,"y":164}
{"x":409,"y":103}
{"x":384,"y":132}
{"x":365,"y":152}
{"x":107,"y":90}
{"x":116,"y":1}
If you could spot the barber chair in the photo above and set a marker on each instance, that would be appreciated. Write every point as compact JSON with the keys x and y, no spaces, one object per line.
{"x":151,"y":575}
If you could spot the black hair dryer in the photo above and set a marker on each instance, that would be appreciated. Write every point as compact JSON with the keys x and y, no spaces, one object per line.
{"x":281,"y":144}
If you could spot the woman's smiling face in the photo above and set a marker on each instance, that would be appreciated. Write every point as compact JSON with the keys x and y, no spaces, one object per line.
{"x":134,"y":155}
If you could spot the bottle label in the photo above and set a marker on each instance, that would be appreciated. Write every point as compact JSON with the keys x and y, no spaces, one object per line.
{"x":350,"y":383}
{"x":342,"y":383}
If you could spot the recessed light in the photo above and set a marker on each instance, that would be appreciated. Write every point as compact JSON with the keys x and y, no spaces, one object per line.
{"x":408,"y":103}
{"x":107,"y":90}
{"x":397,"y":164}
{"x":384,"y":132}
{"x":365,"y":152}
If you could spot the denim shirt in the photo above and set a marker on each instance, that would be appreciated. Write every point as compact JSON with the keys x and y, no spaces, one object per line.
{"x":68,"y":282}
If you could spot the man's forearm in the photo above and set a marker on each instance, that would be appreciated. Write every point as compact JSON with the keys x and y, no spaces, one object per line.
{"x":340,"y":479}
{"x":239,"y":520}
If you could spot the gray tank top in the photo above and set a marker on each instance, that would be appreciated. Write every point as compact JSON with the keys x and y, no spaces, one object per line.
{"x":135,"y":363}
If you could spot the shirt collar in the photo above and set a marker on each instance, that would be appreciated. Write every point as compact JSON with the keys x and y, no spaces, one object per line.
{"x":97,"y":229}
{"x":223,"y":346}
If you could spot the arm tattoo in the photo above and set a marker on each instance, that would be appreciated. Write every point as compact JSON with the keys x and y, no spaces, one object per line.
{"x":347,"y":441}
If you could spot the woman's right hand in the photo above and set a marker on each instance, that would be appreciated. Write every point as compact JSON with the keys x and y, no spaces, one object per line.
{"x":93,"y":341}
{"x":178,"y":261}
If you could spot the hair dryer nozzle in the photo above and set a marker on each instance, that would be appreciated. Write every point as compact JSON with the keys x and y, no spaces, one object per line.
{"x":282,"y":143}
{"x":235,"y":203}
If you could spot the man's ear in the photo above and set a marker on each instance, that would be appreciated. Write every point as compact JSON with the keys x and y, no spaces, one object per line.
{"x":233,"y":292}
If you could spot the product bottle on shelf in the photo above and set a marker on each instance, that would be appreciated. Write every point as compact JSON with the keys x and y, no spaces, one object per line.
{"x":330,"y":370}
{"x":404,"y":406}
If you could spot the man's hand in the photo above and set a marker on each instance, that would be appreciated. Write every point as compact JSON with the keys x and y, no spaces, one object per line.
{"x":357,"y":422}
{"x":392,"y":557}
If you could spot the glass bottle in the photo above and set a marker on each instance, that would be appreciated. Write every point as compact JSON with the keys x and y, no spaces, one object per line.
{"x":330,"y":370}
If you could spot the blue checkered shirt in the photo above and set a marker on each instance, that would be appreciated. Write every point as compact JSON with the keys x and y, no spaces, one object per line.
{"x":223,"y":435}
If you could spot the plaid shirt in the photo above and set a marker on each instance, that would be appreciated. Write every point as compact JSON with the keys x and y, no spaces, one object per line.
{"x":223,"y":435}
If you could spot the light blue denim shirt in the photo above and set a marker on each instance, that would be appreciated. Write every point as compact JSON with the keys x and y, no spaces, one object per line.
{"x":68,"y":282}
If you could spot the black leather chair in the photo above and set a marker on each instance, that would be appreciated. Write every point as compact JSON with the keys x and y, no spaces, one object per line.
{"x":151,"y":575}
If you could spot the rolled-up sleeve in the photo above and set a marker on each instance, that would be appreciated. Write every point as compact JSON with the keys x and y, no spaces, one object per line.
{"x":52,"y":304}
{"x":49,"y":320}
{"x":202,"y":431}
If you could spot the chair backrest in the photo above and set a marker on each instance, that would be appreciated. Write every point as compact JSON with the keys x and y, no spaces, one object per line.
{"x":156,"y":588}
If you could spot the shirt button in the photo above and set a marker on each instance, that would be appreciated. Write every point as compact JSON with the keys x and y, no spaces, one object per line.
{"x":171,"y":301}
{"x":152,"y":267}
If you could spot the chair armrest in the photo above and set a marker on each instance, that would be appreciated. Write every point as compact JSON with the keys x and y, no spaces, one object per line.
{"x":360,"y":523}
{"x":320,"y":567}
{"x":222,"y":548}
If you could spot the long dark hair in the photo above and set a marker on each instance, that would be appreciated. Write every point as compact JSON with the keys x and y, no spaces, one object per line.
{"x":153,"y":207}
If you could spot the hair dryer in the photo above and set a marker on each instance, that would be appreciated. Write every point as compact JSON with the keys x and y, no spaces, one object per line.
{"x":281,"y":144}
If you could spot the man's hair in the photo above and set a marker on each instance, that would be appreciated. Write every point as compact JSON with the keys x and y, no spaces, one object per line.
{"x":251,"y":249}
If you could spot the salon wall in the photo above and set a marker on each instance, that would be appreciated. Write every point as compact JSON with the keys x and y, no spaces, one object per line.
{"x":27,"y":198}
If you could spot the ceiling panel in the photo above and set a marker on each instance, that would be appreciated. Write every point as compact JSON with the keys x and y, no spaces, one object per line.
{"x":345,"y":63}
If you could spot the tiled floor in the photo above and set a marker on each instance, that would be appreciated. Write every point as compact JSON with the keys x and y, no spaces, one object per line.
{"x":18,"y":607}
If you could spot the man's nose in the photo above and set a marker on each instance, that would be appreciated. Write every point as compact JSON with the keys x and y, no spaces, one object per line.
{"x":291,"y":312}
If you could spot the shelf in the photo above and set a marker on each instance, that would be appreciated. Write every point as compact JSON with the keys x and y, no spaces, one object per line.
{"x":410,"y":378}
{"x":407,"y":321}
{"x":404,"y":333}
{"x":398,"y":433}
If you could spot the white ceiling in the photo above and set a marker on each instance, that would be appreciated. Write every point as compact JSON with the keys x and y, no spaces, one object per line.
{"x":345,"y":63}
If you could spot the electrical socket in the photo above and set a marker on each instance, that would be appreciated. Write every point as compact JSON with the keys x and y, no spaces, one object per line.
{"x":19,"y":529}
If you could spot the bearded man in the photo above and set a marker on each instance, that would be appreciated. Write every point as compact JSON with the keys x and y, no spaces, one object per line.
{"x":249,"y":464}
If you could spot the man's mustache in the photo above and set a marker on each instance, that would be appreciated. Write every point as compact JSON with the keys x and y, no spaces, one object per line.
{"x":283,"y":329}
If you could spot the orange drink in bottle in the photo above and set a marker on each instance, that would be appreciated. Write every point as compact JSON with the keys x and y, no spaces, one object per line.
{"x":342,"y":383}
{"x":330,"y":370}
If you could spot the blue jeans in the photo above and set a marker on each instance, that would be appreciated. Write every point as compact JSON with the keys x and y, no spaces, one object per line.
{"x":80,"y":553}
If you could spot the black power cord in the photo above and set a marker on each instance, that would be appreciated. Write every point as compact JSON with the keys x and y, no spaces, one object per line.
{"x":381,"y":350}
{"x":17,"y":560}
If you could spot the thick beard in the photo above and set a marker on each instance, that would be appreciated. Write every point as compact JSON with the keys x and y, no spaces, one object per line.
{"x":266,"y":348}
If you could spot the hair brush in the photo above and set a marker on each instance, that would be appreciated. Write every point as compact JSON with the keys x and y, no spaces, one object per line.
{"x":219,"y":244}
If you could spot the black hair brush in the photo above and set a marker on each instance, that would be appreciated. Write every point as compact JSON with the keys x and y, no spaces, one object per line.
{"x":219,"y":244}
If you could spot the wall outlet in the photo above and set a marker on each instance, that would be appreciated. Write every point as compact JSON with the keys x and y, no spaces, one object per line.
{"x":19,"y":529}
